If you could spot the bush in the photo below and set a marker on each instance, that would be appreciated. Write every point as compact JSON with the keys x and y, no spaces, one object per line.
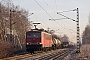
{"x":6,"y":49}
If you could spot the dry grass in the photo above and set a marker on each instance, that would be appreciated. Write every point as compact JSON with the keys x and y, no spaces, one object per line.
{"x":6,"y":49}
{"x":84,"y":53}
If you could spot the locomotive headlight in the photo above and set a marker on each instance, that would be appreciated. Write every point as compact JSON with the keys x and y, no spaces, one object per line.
{"x":39,"y":43}
{"x":27,"y":43}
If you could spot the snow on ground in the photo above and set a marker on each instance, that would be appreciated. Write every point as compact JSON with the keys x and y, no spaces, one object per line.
{"x":83,"y":55}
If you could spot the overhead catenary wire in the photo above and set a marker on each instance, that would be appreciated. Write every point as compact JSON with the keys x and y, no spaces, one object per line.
{"x":66,"y":28}
{"x":67,"y":17}
{"x":40,"y":19}
{"x":43,"y":9}
{"x":61,"y":12}
{"x":49,"y":6}
{"x":80,"y":5}
{"x":56,"y":4}
{"x":46,"y":11}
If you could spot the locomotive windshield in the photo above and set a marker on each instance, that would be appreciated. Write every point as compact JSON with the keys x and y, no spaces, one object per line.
{"x":33,"y":35}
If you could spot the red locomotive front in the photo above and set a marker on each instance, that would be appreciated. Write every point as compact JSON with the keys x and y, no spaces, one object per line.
{"x":38,"y":39}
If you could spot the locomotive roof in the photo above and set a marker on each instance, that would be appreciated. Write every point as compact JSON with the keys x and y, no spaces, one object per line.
{"x":38,"y":30}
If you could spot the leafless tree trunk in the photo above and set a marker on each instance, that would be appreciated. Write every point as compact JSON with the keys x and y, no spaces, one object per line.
{"x":19,"y":22}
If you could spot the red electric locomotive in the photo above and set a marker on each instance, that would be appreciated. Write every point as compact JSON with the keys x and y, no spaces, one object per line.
{"x":36,"y":39}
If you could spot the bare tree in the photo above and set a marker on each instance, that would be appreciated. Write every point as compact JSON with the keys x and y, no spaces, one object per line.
{"x":6,"y":49}
{"x":86,"y":34}
{"x":19,"y":23}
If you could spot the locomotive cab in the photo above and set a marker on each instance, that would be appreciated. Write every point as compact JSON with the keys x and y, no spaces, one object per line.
{"x":33,"y":40}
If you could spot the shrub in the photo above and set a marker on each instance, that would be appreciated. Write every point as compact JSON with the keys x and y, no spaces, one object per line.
{"x":6,"y":49}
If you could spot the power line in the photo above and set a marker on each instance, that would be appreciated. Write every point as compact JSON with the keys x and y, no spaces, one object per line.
{"x":43,"y":9}
{"x":49,"y":6}
{"x":66,"y":17}
{"x":65,"y":28}
{"x":46,"y":11}
{"x":42,"y":21}
{"x":79,"y":4}
{"x":56,"y":4}
{"x":59,"y":25}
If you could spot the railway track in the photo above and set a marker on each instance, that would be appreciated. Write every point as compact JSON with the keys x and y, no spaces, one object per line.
{"x":56,"y":55}
{"x":49,"y":55}
{"x":23,"y":56}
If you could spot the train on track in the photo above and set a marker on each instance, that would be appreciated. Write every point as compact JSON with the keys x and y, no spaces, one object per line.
{"x":65,"y":43}
{"x":41,"y":40}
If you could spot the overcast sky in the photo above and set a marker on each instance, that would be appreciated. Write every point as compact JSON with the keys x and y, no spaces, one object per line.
{"x":47,"y":9}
